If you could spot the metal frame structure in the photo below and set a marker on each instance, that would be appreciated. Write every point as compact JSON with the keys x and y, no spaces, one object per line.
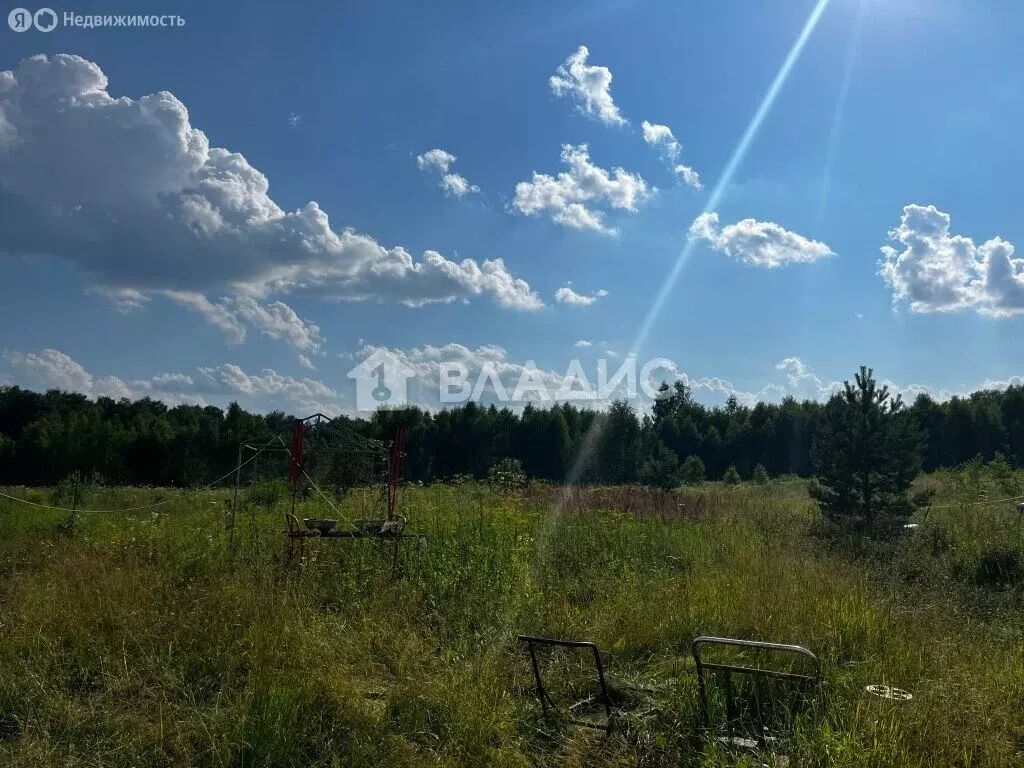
{"x":296,"y":463}
{"x":391,"y":529}
{"x":546,"y":703}
{"x":803,"y":682}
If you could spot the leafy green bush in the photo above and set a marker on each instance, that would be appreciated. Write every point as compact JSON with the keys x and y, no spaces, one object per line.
{"x":507,"y":474}
{"x":1000,"y":568}
{"x":969,"y":480}
{"x":1002,"y":474}
{"x":661,"y":468}
{"x":692,"y":471}
{"x":76,"y":489}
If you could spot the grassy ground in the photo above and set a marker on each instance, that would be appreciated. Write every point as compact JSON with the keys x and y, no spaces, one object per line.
{"x":136,"y":639}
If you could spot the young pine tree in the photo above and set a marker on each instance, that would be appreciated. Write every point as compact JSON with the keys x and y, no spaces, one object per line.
{"x":760,"y":475}
{"x":866,"y":453}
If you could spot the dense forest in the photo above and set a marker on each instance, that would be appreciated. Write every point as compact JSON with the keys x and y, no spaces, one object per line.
{"x":46,"y":437}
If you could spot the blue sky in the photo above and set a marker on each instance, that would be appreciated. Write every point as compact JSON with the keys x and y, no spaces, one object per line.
{"x":134,"y":257}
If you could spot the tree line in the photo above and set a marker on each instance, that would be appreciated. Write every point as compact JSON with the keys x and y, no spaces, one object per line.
{"x":45,"y":437}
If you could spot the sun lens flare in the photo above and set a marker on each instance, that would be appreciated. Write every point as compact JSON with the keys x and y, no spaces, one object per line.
{"x":712,"y":202}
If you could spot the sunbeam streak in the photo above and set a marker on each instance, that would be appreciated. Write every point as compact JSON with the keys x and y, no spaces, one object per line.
{"x":714,"y":198}
{"x":837,"y":119}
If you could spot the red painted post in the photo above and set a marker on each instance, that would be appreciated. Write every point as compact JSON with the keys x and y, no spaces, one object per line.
{"x":397,"y":455}
{"x":295,"y":458}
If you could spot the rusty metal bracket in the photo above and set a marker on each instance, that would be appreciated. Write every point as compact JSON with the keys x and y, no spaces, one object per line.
{"x":546,"y":702}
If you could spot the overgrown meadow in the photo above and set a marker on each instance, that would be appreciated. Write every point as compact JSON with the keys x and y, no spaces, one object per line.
{"x":138,"y":638}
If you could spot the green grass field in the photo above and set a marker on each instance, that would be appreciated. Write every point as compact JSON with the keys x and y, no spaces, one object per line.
{"x":136,"y":639}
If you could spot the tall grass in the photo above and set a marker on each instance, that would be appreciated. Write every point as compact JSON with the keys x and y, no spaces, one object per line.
{"x":138,"y":639}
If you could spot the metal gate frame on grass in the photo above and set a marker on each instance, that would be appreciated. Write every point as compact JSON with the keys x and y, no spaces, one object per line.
{"x":546,"y":703}
{"x":800,"y":681}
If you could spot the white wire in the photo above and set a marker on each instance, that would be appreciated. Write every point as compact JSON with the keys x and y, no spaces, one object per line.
{"x":132,"y":509}
{"x":336,"y":510}
{"x":981,"y":503}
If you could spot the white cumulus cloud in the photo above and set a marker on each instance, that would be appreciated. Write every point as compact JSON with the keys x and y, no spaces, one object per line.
{"x":564,"y":196}
{"x":932,"y":270}
{"x":268,"y":390}
{"x":661,"y":138}
{"x":589,"y":86}
{"x":804,"y":385}
{"x":217,"y":314}
{"x":136,"y":197}
{"x":758,"y":243}
{"x":801,"y":383}
{"x":566,"y":295}
{"x":437,"y":159}
{"x":274,"y":319}
{"x":269,"y":382}
{"x":51,"y":368}
{"x":425,"y":365}
{"x":124,"y":299}
{"x":688,"y":176}
{"x":279,"y":321}
{"x":453,"y":184}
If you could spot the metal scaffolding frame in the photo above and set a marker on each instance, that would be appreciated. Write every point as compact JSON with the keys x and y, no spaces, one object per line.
{"x":358,"y":445}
